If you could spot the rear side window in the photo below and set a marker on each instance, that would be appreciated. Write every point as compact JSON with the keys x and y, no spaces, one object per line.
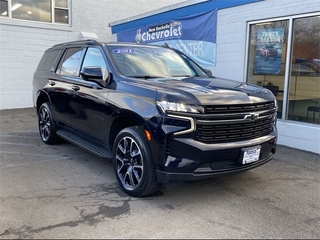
{"x":47,"y":60}
{"x":69,"y":66}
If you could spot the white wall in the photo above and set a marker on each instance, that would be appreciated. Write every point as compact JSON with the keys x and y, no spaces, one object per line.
{"x":298,"y":135}
{"x":22,"y":43}
{"x":231,"y":52}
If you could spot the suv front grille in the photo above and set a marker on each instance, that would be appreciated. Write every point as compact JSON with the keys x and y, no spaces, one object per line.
{"x":235,"y":122}
{"x":239,"y":108}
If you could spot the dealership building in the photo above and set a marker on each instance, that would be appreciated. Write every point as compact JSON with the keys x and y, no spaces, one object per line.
{"x":271,"y":43}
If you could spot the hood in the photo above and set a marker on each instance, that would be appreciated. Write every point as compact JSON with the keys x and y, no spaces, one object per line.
{"x":208,"y":91}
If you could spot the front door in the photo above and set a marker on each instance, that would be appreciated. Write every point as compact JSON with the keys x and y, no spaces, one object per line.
{"x":88,"y":100}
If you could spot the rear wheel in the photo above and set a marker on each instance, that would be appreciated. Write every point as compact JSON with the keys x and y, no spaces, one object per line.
{"x":133,"y":164}
{"x":47,"y":127}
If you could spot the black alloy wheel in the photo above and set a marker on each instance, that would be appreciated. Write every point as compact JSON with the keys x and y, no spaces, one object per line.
{"x":133,"y":163}
{"x":47,"y":127}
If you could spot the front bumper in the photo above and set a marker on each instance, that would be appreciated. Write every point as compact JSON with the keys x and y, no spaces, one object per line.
{"x":201,"y":161}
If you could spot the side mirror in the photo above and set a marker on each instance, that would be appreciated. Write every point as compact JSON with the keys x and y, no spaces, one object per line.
{"x":94,"y":73}
{"x":208,"y":72}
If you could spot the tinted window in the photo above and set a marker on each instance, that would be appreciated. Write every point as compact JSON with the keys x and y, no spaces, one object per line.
{"x":70,"y":63}
{"x":94,"y":58}
{"x":47,"y":60}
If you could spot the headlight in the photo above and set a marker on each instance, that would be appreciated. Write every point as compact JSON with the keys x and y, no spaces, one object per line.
{"x":179,"y":107}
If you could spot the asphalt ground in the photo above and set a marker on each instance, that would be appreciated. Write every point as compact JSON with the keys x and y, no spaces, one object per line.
{"x":61,"y":191}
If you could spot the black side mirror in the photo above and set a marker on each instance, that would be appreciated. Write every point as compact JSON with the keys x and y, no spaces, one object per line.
{"x":93,"y":73}
{"x":208,"y":72}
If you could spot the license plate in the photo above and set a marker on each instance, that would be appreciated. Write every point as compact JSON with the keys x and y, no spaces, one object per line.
{"x":251,"y":154}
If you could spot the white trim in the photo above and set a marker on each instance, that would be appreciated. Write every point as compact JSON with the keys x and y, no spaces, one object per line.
{"x":246,"y":57}
{"x":285,"y":17}
{"x":287,"y":70}
{"x":9,"y":9}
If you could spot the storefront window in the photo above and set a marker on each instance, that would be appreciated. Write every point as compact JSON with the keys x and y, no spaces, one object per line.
{"x":39,"y":10}
{"x":267,"y":57}
{"x":304,"y":92}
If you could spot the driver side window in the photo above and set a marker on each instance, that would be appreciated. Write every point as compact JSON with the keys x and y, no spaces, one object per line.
{"x":94,"y":58}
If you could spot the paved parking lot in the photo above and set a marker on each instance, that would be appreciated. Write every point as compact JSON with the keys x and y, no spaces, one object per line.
{"x":62,"y":191}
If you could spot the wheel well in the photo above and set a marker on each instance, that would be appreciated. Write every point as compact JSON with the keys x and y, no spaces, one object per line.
{"x":119,"y":124}
{"x":41,"y":99}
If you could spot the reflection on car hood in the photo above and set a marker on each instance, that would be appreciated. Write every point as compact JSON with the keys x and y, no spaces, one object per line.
{"x":208,"y":91}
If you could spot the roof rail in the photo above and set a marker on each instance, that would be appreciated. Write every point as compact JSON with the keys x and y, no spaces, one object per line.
{"x":86,"y":41}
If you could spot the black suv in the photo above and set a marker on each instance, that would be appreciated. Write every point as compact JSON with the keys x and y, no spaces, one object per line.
{"x":158,"y":115}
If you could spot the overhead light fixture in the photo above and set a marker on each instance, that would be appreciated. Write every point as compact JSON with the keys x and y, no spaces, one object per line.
{"x":29,"y":12}
{"x":5,"y":13}
{"x":16,"y":6}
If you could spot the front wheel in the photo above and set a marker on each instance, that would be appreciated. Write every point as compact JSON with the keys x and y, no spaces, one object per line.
{"x":47,"y":127}
{"x":133,"y":164}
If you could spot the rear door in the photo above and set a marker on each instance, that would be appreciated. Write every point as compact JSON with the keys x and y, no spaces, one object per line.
{"x":61,"y":83}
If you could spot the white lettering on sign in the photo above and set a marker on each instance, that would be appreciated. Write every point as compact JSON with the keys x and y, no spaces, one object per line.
{"x":271,"y":37}
{"x":158,"y":33}
{"x":191,"y":49}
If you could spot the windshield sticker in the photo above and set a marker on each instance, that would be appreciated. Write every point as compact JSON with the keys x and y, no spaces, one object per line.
{"x":123,"y":50}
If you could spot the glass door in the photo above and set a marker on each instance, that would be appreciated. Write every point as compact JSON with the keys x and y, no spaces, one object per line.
{"x":304,"y":84}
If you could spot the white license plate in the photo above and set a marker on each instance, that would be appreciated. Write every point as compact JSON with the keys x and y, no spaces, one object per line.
{"x":251,"y":155}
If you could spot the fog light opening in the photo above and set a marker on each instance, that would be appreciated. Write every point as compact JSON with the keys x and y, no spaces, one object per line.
{"x":272,"y":141}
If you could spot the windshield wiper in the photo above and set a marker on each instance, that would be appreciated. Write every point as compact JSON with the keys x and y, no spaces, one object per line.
{"x":184,"y":76}
{"x":146,"y":77}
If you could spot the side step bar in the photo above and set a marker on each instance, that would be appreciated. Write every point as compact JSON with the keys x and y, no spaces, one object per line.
{"x":93,"y":148}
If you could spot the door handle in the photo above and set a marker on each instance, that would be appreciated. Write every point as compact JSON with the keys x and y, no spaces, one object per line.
{"x":76,"y":88}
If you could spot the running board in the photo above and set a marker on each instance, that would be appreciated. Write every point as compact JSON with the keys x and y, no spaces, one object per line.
{"x":93,"y":148}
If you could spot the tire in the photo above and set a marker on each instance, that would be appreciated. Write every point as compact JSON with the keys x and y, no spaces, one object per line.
{"x":133,"y":163}
{"x":47,"y":126}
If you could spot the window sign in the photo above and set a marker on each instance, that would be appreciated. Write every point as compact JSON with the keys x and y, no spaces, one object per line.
{"x":269,"y":51}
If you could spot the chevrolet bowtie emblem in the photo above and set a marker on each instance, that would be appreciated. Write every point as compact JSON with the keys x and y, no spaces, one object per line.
{"x":252,"y":116}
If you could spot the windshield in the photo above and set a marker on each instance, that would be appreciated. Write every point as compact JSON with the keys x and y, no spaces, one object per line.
{"x":153,"y":62}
